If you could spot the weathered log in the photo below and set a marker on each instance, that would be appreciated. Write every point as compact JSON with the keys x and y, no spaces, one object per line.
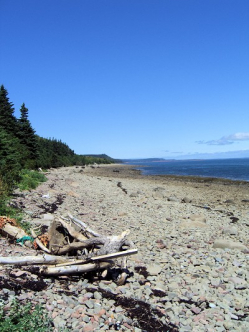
{"x":84,"y":226}
{"x":61,"y":260}
{"x":15,"y":233}
{"x":113,"y":244}
{"x":32,"y":260}
{"x":66,"y":270}
{"x":61,"y":250}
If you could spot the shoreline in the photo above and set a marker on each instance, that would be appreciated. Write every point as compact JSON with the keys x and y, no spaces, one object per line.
{"x":131,"y":171}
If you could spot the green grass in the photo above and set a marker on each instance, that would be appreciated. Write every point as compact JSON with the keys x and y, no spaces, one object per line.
{"x":22,"y":318}
{"x":30,"y":179}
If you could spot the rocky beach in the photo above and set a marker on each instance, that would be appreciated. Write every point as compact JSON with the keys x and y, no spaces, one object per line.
{"x":192,"y":235}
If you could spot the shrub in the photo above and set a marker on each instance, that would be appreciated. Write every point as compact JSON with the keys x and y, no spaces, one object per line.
{"x":22,"y":318}
{"x":30,"y":179}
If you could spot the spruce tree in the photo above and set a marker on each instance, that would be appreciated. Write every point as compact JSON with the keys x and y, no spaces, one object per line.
{"x":10,"y":158}
{"x":8,"y":122}
{"x":26,"y":135}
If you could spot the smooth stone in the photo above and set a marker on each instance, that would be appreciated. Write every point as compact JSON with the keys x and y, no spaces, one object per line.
{"x":197,"y":217}
{"x":157,"y":195}
{"x":173,"y":199}
{"x":230,"y":230}
{"x":186,"y":200}
{"x":154,"y":270}
{"x":193,"y":224}
{"x":237,"y":280}
{"x":97,"y":296}
{"x":228,"y":244}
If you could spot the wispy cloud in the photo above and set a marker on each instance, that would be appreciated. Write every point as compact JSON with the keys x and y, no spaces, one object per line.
{"x":177,"y":152}
{"x":227,"y":140}
{"x":216,"y":155}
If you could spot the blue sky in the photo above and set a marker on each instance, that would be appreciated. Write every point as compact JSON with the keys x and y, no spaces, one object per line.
{"x":133,"y":78}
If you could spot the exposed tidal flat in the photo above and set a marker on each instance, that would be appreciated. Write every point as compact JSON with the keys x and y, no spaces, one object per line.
{"x":192,"y":235}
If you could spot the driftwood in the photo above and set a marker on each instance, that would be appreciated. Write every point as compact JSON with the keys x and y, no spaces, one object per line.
{"x":89,"y":250}
{"x":61,"y":260}
{"x":14,"y":233}
{"x":31,"y":260}
{"x":81,"y":268}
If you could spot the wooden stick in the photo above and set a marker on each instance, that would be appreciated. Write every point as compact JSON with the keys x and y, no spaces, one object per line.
{"x":66,"y":270}
{"x":115,"y":254}
{"x":99,"y":258}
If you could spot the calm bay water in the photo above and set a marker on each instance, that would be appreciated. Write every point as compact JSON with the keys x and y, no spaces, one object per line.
{"x":234,"y":169}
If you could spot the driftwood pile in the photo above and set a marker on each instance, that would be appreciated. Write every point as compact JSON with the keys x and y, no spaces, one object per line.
{"x":69,"y":246}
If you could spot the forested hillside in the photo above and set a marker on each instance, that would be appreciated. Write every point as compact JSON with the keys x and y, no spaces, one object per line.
{"x":21,"y":148}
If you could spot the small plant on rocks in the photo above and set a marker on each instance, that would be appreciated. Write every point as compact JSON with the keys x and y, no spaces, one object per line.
{"x":22,"y":318}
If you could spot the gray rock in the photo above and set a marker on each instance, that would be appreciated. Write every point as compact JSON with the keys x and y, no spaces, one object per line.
{"x":154,"y":269}
{"x":232,"y":230}
{"x":157,"y":195}
{"x":228,"y":244}
{"x":229,"y":201}
{"x":173,"y":199}
{"x":97,"y":295}
{"x":197,"y":217}
{"x":193,"y":224}
{"x":186,"y":200}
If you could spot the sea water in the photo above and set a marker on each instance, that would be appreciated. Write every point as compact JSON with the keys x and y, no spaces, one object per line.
{"x":234,"y":169}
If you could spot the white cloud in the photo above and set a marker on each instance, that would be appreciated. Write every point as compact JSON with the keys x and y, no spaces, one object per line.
{"x":238,"y":137}
{"x":227,"y":140}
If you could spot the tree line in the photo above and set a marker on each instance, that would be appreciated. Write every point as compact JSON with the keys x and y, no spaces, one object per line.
{"x":21,"y":148}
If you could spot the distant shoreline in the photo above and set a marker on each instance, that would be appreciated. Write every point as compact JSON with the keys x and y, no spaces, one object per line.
{"x":130,"y":171}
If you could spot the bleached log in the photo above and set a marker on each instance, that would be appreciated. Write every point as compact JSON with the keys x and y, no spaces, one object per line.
{"x":39,"y":243}
{"x":32,"y":260}
{"x":66,"y":270}
{"x":15,"y":233}
{"x":84,"y":226}
{"x":60,"y":260}
{"x":113,"y":243}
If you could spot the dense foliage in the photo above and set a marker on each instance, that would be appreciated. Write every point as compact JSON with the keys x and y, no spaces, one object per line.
{"x":21,"y":148}
{"x":24,"y":318}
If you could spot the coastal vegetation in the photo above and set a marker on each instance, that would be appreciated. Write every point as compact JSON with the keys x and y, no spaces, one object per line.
{"x":22,"y":151}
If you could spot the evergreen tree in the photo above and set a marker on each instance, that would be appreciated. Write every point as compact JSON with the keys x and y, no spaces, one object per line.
{"x":26,"y":134}
{"x":8,"y":121}
{"x":10,"y":158}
